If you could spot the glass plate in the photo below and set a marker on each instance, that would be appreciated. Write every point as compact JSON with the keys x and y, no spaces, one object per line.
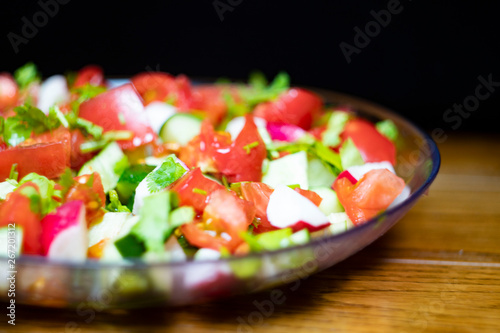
{"x":136,"y":284}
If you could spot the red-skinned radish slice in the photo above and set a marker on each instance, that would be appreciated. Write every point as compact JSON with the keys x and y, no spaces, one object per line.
{"x":284,"y":132}
{"x":287,"y":208}
{"x":64,"y":232}
{"x":347,"y":174}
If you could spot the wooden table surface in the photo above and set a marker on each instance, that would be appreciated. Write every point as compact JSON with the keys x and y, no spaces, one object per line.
{"x":437,"y":270}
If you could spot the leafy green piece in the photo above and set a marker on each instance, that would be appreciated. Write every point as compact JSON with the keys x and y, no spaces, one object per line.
{"x":166,"y":174}
{"x":130,"y":179}
{"x":87,"y":91}
{"x":350,"y":155}
{"x":257,"y":92}
{"x":276,"y":239}
{"x":15,"y":132}
{"x":35,"y":199}
{"x":248,"y":148}
{"x":28,"y":119}
{"x":70,"y":77}
{"x":26,"y":75}
{"x":335,"y":126}
{"x":66,"y":181}
{"x":316,"y":149}
{"x":14,"y":174}
{"x":47,"y":191}
{"x":55,"y":112}
{"x":199,"y":191}
{"x":106,"y":138}
{"x":388,"y":129}
{"x":257,"y":80}
{"x":327,"y":155}
{"x":114,"y":203}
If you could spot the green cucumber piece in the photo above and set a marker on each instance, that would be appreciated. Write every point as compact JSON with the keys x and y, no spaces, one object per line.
{"x":288,"y":170}
{"x":109,"y":163}
{"x":318,"y":175}
{"x":181,"y":128}
{"x":330,"y":203}
{"x":130,"y":179}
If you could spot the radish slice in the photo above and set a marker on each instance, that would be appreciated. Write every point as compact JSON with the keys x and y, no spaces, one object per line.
{"x":401,"y":197}
{"x":52,"y":91}
{"x":285,"y":132}
{"x":64,"y":232}
{"x":287,"y":208}
{"x":347,"y":174}
{"x":359,"y":171}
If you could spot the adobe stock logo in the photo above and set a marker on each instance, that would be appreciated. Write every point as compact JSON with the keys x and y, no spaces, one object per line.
{"x":223,"y":6}
{"x":40,"y":19}
{"x":372,"y":29}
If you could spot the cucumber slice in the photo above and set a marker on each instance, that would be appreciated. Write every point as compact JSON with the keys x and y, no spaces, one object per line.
{"x":130,"y":179}
{"x":158,"y":113}
{"x":5,"y":188}
{"x":318,"y":175}
{"x":181,"y":128}
{"x":330,"y":203}
{"x":288,"y":170}
{"x":109,"y":163}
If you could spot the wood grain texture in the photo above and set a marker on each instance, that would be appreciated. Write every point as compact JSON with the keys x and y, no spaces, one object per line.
{"x":437,"y":270}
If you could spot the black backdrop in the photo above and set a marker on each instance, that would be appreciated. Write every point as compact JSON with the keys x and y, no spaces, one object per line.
{"x":426,"y":59}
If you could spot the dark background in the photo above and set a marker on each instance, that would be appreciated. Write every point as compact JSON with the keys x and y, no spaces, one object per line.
{"x":427,"y":58}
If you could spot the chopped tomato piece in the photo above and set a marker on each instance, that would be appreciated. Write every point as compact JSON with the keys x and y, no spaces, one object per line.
{"x":228,"y":213}
{"x":120,"y":109}
{"x":195,"y":190}
{"x":370,"y":195}
{"x":47,"y":154}
{"x":18,"y":209}
{"x":197,"y":236}
{"x":373,"y":146}
{"x":91,"y":195}
{"x":295,"y":106}
{"x":201,"y":150}
{"x":225,"y":217}
{"x":78,"y":158}
{"x":90,"y":74}
{"x":312,"y":196}
{"x":163,"y":87}
{"x":9,"y":92}
{"x":214,"y":152}
{"x":243,"y":161}
{"x":259,"y":194}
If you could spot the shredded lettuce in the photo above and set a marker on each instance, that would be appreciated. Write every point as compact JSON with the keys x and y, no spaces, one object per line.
{"x":350,"y":155}
{"x":388,"y":129}
{"x":47,"y":190}
{"x":335,"y":126}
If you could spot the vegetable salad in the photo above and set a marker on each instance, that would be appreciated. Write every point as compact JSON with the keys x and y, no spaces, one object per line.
{"x":158,"y":168}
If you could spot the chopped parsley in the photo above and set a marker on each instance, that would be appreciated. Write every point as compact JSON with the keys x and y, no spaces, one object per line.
{"x":165,"y":175}
{"x":26,"y":75}
{"x":114,"y":203}
{"x":248,"y":148}
{"x":199,"y":191}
